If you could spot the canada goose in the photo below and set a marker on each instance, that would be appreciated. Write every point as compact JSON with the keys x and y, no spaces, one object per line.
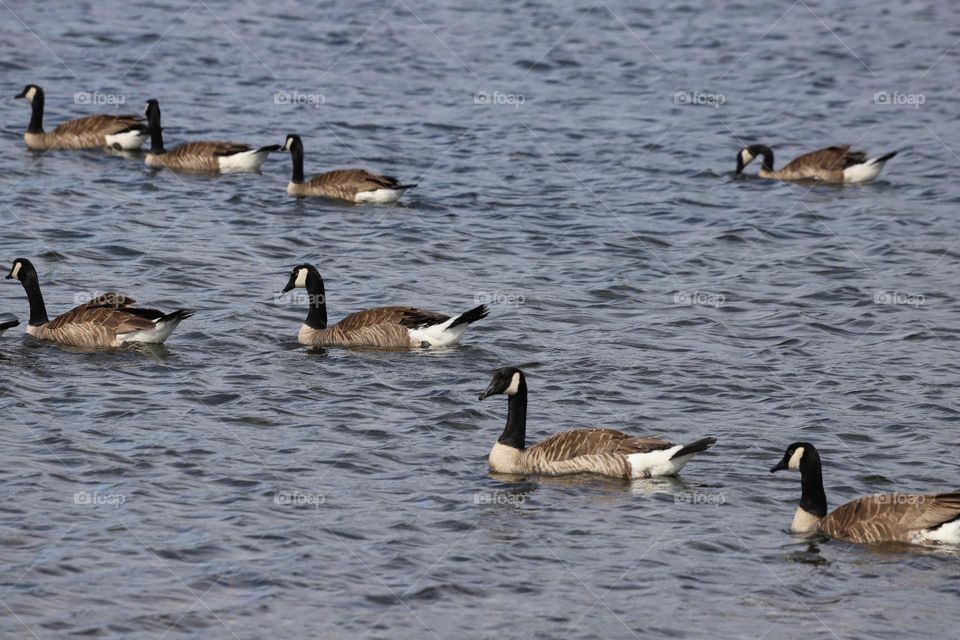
{"x":383,"y":327}
{"x":354,"y":185}
{"x":206,"y":156}
{"x":602,"y":451}
{"x":837,"y":165}
{"x":118,"y":132}
{"x":109,"y":320}
{"x":890,"y":517}
{"x":8,"y":324}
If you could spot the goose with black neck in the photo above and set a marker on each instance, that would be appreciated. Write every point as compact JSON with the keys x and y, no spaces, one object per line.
{"x":889,"y":517}
{"x":605,"y":452}
{"x":382,"y":327}
{"x":352,"y":185}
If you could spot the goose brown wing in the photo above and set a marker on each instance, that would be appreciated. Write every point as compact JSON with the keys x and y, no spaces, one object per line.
{"x":100,"y":125}
{"x":111,"y":311}
{"x":208,"y":149}
{"x":834,"y":158}
{"x":409,"y":317}
{"x":890,"y":517}
{"x":581,"y":442}
{"x":355,"y":179}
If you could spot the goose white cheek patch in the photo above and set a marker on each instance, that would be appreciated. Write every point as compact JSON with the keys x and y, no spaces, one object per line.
{"x":301,"y":279}
{"x":514,"y":385}
{"x":795,"y":459}
{"x":16,"y":270}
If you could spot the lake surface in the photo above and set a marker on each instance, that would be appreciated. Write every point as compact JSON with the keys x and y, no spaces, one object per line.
{"x":575,"y":163}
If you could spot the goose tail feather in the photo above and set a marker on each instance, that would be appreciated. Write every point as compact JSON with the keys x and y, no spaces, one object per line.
{"x":694,"y":447}
{"x":477,"y":313}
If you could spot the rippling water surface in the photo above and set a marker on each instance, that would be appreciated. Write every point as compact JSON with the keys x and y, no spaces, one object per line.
{"x":237,"y":485}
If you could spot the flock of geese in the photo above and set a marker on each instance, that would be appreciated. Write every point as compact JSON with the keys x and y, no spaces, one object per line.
{"x":112,"y":320}
{"x":130,"y":132}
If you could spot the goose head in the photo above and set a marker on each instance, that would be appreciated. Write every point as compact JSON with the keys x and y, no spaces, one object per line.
{"x":506,"y":381}
{"x":293,"y":141}
{"x":747,"y":155}
{"x":151,"y":109}
{"x":21,"y":270}
{"x":799,"y":456}
{"x":301,"y":277}
{"x":30,"y":92}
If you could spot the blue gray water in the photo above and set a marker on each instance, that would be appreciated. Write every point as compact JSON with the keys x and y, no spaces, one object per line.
{"x":575,"y":163}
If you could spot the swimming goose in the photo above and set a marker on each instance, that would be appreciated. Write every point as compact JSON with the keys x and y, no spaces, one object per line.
{"x":109,"y":320}
{"x":205,"y":156}
{"x":602,"y":451}
{"x":8,"y":324}
{"x":118,"y":132}
{"x":837,"y":165}
{"x":383,"y":327}
{"x":891,"y":517}
{"x":354,"y":185}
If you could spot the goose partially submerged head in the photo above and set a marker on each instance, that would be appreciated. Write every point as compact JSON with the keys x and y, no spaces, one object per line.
{"x":748,"y":154}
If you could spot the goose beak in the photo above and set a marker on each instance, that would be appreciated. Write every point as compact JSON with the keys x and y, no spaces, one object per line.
{"x":22,"y":94}
{"x":780,"y":466}
{"x":291,"y":284}
{"x":489,"y":391}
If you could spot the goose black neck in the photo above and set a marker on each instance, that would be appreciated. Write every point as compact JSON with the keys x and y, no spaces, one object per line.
{"x":767,"y":154}
{"x":156,"y":141}
{"x":296,"y":153}
{"x":38,"y":311}
{"x":813,"y":499}
{"x":317,"y":315}
{"x":156,"y":131}
{"x":36,"y":115}
{"x":515,"y":433}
